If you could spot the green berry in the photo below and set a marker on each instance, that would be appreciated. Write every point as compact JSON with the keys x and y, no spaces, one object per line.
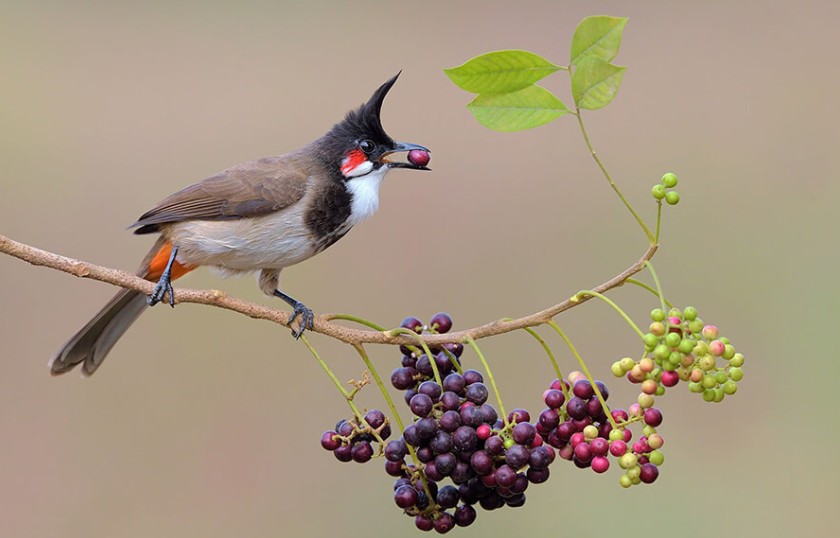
{"x":721,"y":377}
{"x":719,"y":395}
{"x":617,"y":434}
{"x":675,"y":313}
{"x":709,"y":381}
{"x":634,"y":472}
{"x":737,"y":360}
{"x":728,"y":351}
{"x":695,"y":325}
{"x":672,"y":197}
{"x":673,"y":339}
{"x":627,"y":461}
{"x":657,"y":314}
{"x":657,"y":328}
{"x":616,"y":369}
{"x":695,"y":387}
{"x":690,"y":313}
{"x":675,"y":358}
{"x":736,"y":374}
{"x":661,"y":352}
{"x":648,"y":430}
{"x":706,"y":362}
{"x":627,"y":364}
{"x":686,"y":345}
{"x":660,"y":390}
{"x":624,"y":481}
{"x":645,"y":400}
{"x":658,"y":191}
{"x":730,"y":387}
{"x":650,"y":340}
{"x":656,"y":457}
{"x":709,"y":395}
{"x":669,"y":180}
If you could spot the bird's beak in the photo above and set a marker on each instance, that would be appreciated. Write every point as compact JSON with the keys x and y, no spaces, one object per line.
{"x":400,"y":147}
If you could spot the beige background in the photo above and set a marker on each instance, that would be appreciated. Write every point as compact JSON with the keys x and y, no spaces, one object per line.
{"x":205,"y":423}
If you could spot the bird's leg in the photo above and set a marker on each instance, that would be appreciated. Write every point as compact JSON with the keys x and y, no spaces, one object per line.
{"x":164,"y":285}
{"x":307,"y":318}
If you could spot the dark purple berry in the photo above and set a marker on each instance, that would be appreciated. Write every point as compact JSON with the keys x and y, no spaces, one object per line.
{"x":426,"y":428}
{"x":412,"y":324}
{"x":576,"y":408}
{"x":519,"y":415}
{"x":494,"y":446}
{"x":446,"y":463}
{"x":396,"y":450}
{"x":517,"y":456}
{"x":403,"y":378}
{"x":450,"y":401}
{"x":424,"y":522}
{"x":549,"y":419}
{"x":492,"y":502}
{"x":405,"y":496}
{"x":541,"y":457}
{"x":328,"y":440}
{"x":583,"y":453}
{"x":471,"y":416}
{"x":448,"y":497}
{"x":505,"y":476}
{"x":450,"y":420}
{"x":594,"y":409}
{"x":394,"y":468}
{"x":424,"y":366}
{"x":344,"y":453}
{"x":412,"y":436}
{"x":441,"y":443}
{"x":461,"y":473}
{"x":473,"y":376}
{"x":481,"y":462}
{"x":523,"y":433}
{"x":653,"y":417}
{"x":441,"y":321}
{"x":554,"y":398}
{"x":649,"y":473}
{"x":432,"y":472}
{"x":476,"y":393}
{"x":455,"y":348}
{"x":444,"y":522}
{"x":465,"y":515}
{"x":583,"y":389}
{"x":430,"y":389}
{"x":599,"y":446}
{"x":421,"y":405}
{"x":465,"y":439}
{"x":425,"y":454}
{"x":454,"y":383}
{"x":443,"y":363}
{"x":488,"y":413}
{"x":603,"y":388}
{"x":361,"y":452}
{"x":375,"y":418}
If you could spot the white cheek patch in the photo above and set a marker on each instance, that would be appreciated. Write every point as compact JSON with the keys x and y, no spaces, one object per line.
{"x":358,"y":170}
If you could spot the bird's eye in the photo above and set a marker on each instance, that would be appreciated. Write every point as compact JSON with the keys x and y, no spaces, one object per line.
{"x":367,"y":146}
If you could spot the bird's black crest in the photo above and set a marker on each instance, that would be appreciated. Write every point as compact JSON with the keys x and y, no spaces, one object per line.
{"x":365,"y":120}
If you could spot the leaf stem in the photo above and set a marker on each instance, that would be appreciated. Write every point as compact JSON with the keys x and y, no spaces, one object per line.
{"x":424,"y":345}
{"x":651,"y":238}
{"x":649,"y":288}
{"x":656,"y":281}
{"x":355,"y":319}
{"x":615,"y":307}
{"x":347,"y":396}
{"x":586,"y":372}
{"x":360,"y":349}
{"x":487,"y":369}
{"x":556,"y":366}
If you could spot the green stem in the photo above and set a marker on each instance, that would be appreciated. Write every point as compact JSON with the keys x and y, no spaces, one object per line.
{"x":648,"y":233}
{"x":649,"y":288}
{"x":588,"y":375}
{"x":615,"y":307}
{"x":426,"y":350}
{"x":547,"y":349}
{"x":356,"y":319}
{"x":658,"y":218}
{"x":656,"y":281}
{"x":347,"y":396}
{"x":486,"y":366}
{"x":362,"y":353}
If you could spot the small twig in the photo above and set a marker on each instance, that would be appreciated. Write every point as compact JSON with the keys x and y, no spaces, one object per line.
{"x":322,"y":324}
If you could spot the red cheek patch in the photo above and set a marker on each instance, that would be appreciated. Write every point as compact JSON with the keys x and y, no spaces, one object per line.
{"x":353,"y":159}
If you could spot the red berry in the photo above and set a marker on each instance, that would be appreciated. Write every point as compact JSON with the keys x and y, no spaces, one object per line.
{"x":483,"y":432}
{"x":600,"y":464}
{"x":419,"y":157}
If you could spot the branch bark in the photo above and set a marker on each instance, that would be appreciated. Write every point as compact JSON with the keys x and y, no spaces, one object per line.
{"x":323,"y":324}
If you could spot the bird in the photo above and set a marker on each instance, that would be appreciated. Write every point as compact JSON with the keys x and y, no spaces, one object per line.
{"x":259,"y":216}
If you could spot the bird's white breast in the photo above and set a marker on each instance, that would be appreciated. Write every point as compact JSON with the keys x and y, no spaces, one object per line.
{"x":365,"y":192}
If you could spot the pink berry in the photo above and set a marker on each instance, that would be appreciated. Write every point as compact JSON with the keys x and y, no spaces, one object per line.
{"x":618,"y":448}
{"x":670,"y":378}
{"x":419,"y":157}
{"x":600,"y":464}
{"x":483,"y":432}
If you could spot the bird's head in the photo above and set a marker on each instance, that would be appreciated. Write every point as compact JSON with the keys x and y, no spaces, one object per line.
{"x":358,"y":145}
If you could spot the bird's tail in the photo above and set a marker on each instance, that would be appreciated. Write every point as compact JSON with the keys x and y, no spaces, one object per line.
{"x":92,"y":343}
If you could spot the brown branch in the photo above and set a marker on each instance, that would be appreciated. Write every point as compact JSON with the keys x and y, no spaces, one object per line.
{"x":323,"y":323}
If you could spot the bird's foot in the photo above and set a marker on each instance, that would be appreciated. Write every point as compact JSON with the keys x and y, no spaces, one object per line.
{"x":162,"y":288}
{"x":307,"y":318}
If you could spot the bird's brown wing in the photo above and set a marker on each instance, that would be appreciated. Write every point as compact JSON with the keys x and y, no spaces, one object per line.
{"x":247,"y":190}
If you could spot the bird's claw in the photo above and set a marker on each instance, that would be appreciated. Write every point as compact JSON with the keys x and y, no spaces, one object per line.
{"x":162,"y":288}
{"x":307,"y":319}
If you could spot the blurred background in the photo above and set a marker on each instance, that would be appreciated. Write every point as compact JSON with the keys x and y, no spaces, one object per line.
{"x":205,"y":423}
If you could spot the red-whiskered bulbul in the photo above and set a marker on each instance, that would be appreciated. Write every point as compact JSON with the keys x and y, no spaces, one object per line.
{"x":261,"y":216}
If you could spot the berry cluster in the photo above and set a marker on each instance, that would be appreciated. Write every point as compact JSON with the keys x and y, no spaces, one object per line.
{"x":661,"y":190}
{"x":351,"y":440}
{"x":456,"y":434}
{"x":576,"y":424}
{"x":680,"y":347}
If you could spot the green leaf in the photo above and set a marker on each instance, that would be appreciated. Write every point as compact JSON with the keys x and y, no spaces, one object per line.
{"x":502,"y":71}
{"x":515,"y":111}
{"x":595,"y":83}
{"x":598,"y":37}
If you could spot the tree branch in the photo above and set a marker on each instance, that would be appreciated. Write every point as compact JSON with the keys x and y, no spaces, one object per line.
{"x":323,"y":324}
